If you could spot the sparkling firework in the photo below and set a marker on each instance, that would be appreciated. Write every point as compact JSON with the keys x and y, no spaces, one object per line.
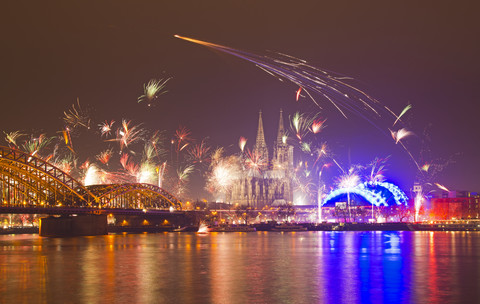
{"x":129,"y":165}
{"x":425,"y":167}
{"x":312,"y":80}
{"x":66,"y":164}
{"x":154,"y":147}
{"x":325,"y":166}
{"x":377,"y":170}
{"x":255,"y":162}
{"x":408,"y":107}
{"x":127,"y":135}
{"x":35,"y":145}
{"x":418,"y":204}
{"x":161,"y":173}
{"x":400,"y":134}
{"x":182,"y":137}
{"x":442,"y":187}
{"x":242,"y":142}
{"x":199,"y":153}
{"x":304,"y":188}
{"x":349,"y":180}
{"x":306,"y":147}
{"x":223,"y":174}
{"x":300,"y":124}
{"x":68,"y":139}
{"x":93,"y":175}
{"x":152,"y":90}
{"x":183,"y":175}
{"x":104,"y":156}
{"x":106,"y":127}
{"x":12,"y":137}
{"x":335,"y":89}
{"x":77,"y":117}
{"x":317,"y":126}
{"x":147,"y":173}
{"x":297,"y":96}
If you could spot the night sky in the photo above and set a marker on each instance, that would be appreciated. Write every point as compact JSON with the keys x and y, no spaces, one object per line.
{"x":419,"y":52}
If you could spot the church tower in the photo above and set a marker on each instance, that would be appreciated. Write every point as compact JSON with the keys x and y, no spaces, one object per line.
{"x":260,"y":147}
{"x":273,"y":183}
{"x":283,"y":153}
{"x":282,"y":166}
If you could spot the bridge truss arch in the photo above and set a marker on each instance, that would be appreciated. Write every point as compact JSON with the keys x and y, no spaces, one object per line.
{"x":134,"y":196}
{"x":29,"y":180}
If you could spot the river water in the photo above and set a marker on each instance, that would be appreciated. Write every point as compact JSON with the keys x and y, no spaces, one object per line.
{"x":258,"y":267}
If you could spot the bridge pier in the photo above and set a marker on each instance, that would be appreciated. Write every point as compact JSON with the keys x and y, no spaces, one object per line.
{"x":81,"y":225}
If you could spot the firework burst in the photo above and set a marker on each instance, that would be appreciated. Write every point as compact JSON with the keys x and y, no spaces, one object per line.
{"x":241,"y":143}
{"x":182,"y":137}
{"x":152,"y":90}
{"x":317,"y":126}
{"x":334,"y":88}
{"x":183,"y":176}
{"x":93,"y":175}
{"x":106,"y":127}
{"x":350,"y":179}
{"x":199,"y":153}
{"x":408,"y":107}
{"x":12,"y":137}
{"x":104,"y":156}
{"x":301,"y":125}
{"x":255,"y":162}
{"x":147,"y":173}
{"x":377,"y":170}
{"x":35,"y":145}
{"x":400,"y":134}
{"x":66,"y":163}
{"x":442,"y":187}
{"x":77,"y":117}
{"x":224,"y":171}
{"x":127,"y":135}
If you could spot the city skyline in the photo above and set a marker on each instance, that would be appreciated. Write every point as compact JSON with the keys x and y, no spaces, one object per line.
{"x":412,"y":57}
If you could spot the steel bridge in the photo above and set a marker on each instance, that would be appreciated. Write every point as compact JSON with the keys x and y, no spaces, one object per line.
{"x":29,"y":184}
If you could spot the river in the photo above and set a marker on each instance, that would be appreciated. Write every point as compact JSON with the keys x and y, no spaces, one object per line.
{"x":257,"y":267}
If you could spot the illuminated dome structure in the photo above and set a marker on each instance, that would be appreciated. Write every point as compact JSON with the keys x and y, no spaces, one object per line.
{"x":368,"y":193}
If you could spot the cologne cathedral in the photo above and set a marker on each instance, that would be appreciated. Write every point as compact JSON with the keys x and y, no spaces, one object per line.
{"x":271,"y":183}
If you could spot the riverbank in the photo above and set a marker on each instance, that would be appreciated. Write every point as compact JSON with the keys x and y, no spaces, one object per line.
{"x":275,"y":227}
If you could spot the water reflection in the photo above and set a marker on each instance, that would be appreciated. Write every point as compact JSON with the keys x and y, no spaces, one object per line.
{"x":262,"y":267}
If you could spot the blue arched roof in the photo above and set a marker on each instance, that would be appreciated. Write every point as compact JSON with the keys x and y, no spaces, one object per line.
{"x":378,"y":194}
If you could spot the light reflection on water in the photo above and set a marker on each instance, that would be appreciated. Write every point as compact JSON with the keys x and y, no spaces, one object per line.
{"x":261,"y":267}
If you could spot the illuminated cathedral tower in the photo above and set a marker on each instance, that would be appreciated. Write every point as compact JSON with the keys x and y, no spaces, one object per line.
{"x":282,"y":152}
{"x":271,"y":184}
{"x":260,"y":147}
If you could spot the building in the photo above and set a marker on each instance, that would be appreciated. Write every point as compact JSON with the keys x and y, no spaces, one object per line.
{"x":269,"y":181}
{"x":455,"y":205}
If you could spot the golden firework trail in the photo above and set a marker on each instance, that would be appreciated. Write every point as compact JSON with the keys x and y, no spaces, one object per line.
{"x":334,"y":88}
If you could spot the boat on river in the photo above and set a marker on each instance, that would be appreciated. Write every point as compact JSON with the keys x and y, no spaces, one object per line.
{"x":202,"y":229}
{"x":231,"y":228}
{"x":286,"y":227}
{"x":457,"y":225}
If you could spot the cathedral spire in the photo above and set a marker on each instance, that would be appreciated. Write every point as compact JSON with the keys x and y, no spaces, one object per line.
{"x":281,"y":129}
{"x":260,"y":145}
{"x":260,"y":135}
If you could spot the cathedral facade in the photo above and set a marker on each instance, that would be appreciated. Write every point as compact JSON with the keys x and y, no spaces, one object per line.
{"x":271,"y":183}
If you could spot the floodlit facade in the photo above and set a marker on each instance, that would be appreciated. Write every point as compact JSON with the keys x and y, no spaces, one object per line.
{"x":264,"y":180}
